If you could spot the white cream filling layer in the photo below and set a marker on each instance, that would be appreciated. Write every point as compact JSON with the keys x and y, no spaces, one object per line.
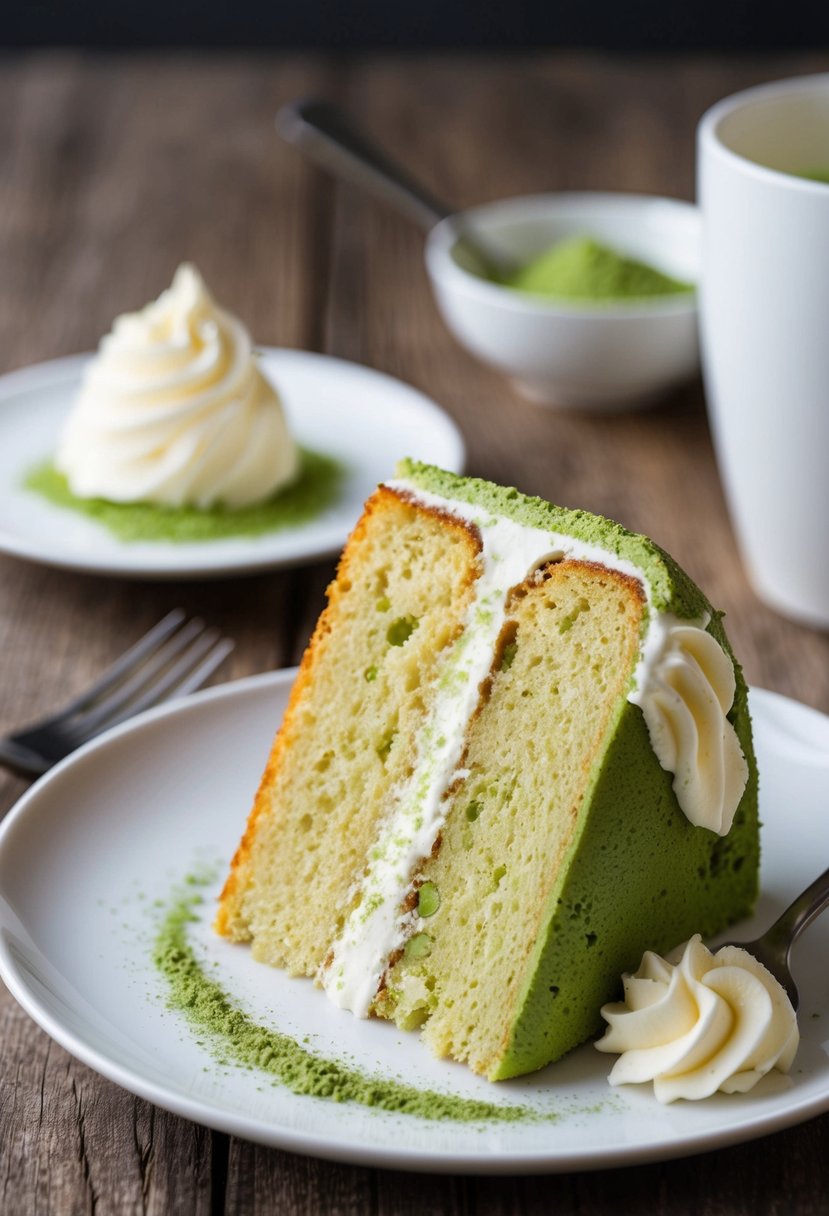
{"x":510,"y":552}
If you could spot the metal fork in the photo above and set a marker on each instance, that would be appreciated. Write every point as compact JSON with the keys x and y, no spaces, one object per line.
{"x":174,"y":658}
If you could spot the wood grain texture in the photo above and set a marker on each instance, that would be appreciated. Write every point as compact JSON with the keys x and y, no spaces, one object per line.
{"x":114,"y":169}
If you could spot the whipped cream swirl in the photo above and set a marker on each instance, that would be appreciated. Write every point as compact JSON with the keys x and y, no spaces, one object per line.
{"x":175,"y":410}
{"x":711,"y":1022}
{"x":685,"y":702}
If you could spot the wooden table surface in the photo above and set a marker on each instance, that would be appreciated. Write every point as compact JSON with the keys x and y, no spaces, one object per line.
{"x":113,"y":170}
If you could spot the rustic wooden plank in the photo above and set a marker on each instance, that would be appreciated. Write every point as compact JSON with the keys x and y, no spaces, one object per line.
{"x":95,"y":211}
{"x":74,"y":1143}
{"x":406,"y":1194}
{"x":780,"y":1174}
{"x":262,"y":1181}
{"x":113,"y":174}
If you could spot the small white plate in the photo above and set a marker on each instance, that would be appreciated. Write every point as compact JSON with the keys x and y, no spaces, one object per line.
{"x":109,"y":831}
{"x":363,"y":418}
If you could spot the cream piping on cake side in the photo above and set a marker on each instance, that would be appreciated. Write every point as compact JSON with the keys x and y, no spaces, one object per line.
{"x":668,"y":670}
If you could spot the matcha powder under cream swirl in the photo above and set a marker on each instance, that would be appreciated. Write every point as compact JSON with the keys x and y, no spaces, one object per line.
{"x":517,"y":755}
{"x":174,"y":410}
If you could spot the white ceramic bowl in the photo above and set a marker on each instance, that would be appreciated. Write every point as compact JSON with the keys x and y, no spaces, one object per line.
{"x":581,"y":356}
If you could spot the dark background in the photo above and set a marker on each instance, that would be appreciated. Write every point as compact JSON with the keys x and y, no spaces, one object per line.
{"x":419,"y":24}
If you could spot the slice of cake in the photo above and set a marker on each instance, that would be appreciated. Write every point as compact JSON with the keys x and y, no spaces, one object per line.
{"x":517,"y":755}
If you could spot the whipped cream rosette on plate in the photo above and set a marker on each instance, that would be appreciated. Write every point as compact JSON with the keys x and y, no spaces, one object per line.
{"x":708,"y":1022}
{"x":175,"y":410}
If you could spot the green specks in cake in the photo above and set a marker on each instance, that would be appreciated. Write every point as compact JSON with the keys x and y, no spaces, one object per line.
{"x":508,"y":655}
{"x":452,"y":679}
{"x":415,"y":1002}
{"x":568,"y":621}
{"x":428,"y":900}
{"x":397,"y":634}
{"x":370,"y":907}
{"x":417,"y":947}
{"x":473,"y":810}
{"x":400,"y":630}
{"x":385,"y":745}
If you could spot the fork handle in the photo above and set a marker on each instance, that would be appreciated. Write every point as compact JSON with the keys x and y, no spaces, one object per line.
{"x":22,"y":760}
{"x":800,"y":913}
{"x":330,"y":137}
{"x":326,"y":133}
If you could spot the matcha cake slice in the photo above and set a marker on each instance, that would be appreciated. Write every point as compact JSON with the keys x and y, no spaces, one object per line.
{"x":517,"y":755}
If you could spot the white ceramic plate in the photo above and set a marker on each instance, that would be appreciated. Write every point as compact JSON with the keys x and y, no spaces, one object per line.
{"x":94,"y":843}
{"x":363,"y":418}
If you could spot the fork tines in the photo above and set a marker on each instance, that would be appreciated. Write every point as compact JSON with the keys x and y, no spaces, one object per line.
{"x":174,"y":658}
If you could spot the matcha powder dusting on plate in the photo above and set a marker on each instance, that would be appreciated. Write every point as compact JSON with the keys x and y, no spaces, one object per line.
{"x":582,"y":269}
{"x":235,"y":1038}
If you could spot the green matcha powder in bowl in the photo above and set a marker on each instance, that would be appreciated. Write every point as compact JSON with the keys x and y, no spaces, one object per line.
{"x":580,"y":268}
{"x":600,"y":311}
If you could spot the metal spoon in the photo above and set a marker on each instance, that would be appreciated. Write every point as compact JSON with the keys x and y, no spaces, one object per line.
{"x":329,"y":137}
{"x":774,"y":947}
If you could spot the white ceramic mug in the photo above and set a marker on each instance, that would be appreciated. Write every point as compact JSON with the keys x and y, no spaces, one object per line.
{"x":765,"y":331}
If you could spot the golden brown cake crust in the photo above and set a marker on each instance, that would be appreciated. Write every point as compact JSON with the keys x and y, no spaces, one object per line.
{"x":261,"y":802}
{"x":230,"y":921}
